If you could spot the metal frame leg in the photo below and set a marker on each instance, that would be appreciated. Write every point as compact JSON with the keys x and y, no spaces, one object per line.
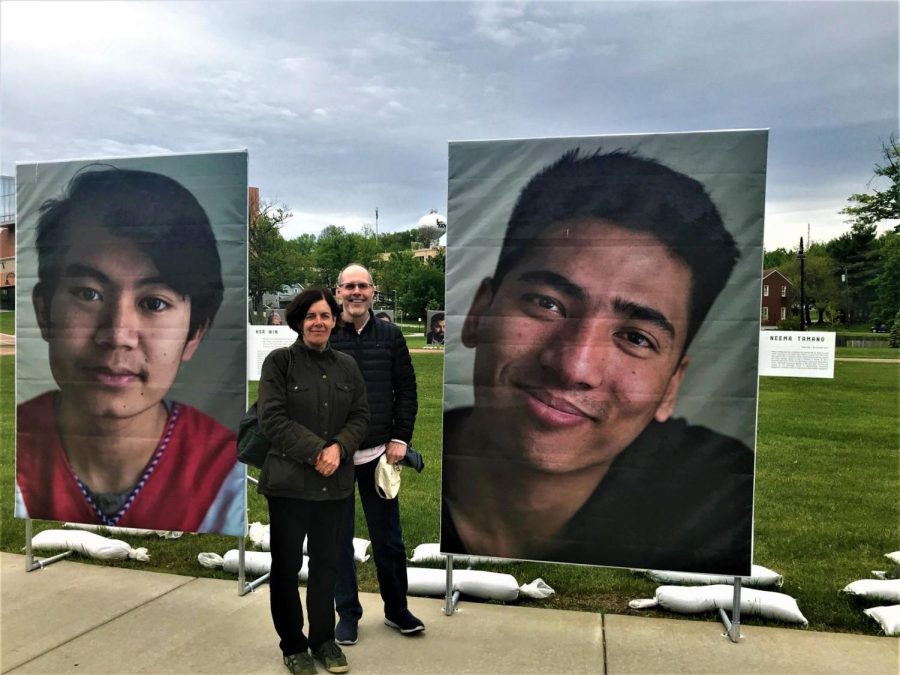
{"x":451,"y":597}
{"x":30,"y":563}
{"x":733,"y":625}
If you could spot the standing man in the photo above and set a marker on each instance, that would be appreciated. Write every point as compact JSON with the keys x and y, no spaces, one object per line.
{"x":380,"y":350}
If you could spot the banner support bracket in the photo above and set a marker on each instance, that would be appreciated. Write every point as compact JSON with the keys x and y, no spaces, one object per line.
{"x":733,"y":624}
{"x":30,"y":563}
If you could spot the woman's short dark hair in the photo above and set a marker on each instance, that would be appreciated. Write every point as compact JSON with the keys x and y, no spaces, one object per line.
{"x":299,"y":307}
{"x":156,"y":213}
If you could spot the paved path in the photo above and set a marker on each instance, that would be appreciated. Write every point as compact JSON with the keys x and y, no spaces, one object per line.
{"x":7,"y":344}
{"x":77,"y":618}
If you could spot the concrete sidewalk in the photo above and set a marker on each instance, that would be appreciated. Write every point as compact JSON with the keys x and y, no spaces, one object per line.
{"x":78,"y":618}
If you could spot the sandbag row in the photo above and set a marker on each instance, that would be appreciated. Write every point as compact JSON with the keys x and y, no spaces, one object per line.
{"x":258,"y":534}
{"x":880,"y":589}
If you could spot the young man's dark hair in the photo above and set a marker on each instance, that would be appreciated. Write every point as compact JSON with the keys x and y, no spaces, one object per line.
{"x":297,"y":310}
{"x":437,"y":316}
{"x":636,"y":194}
{"x":158,"y":214}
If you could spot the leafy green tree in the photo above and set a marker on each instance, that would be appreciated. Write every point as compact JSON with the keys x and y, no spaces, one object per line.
{"x":423,"y":290}
{"x":887,"y":281}
{"x":871,"y":208}
{"x":336,"y":248}
{"x":821,"y":288}
{"x":272,"y":263}
{"x":855,"y":256}
{"x":777,"y":258}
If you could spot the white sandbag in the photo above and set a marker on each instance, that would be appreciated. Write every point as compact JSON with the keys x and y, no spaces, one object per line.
{"x":893,"y":557}
{"x":258,"y":534}
{"x":426,"y":553}
{"x":474,"y":583}
{"x":485,"y":585}
{"x":536,"y":590}
{"x":888,"y":617}
{"x":124,"y":531}
{"x":87,"y":543}
{"x":360,"y":548}
{"x":428,"y":582}
{"x":699,"y":599}
{"x":885,"y":590}
{"x":432,"y":552}
{"x":255,"y":533}
{"x":760,"y":577}
{"x":212,"y":561}
{"x":256,"y":563}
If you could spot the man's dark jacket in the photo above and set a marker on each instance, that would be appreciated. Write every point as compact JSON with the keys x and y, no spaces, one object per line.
{"x":382,"y":355}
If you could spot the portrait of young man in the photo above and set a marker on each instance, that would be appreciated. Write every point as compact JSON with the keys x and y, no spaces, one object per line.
{"x":127,"y":291}
{"x":573,"y":428}
{"x":436,"y":328}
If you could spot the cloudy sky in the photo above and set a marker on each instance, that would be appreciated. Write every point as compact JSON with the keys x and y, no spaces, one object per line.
{"x":346,"y":107}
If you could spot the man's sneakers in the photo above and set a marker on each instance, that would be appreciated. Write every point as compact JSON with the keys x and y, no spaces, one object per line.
{"x":405,"y":622}
{"x":300,"y":664}
{"x":331,"y":657}
{"x":346,"y":632}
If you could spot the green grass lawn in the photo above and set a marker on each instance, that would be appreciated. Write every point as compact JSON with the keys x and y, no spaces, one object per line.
{"x":8,"y":323}
{"x":826,"y":507}
{"x":867,"y":352}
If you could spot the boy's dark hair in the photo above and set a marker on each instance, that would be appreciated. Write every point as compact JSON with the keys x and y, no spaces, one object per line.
{"x":156,"y":213}
{"x":296,"y":311}
{"x":437,"y":316}
{"x":636,"y":194}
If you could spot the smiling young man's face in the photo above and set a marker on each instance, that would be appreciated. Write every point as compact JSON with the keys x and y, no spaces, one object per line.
{"x":580,"y":346}
{"x":117,"y":333}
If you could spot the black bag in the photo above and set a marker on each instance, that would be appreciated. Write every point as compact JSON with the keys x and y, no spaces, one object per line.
{"x":252,"y":444}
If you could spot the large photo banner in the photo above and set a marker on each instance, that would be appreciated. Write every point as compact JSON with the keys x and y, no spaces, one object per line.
{"x":602,"y":330}
{"x":131,"y":341}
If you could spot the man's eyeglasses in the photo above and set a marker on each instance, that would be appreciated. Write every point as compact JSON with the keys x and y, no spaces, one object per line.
{"x":362,"y":285}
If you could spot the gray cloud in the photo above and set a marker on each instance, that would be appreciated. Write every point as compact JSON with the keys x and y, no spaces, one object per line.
{"x":346,"y":107}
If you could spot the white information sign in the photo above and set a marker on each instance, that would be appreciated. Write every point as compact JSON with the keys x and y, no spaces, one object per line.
{"x":796,"y":354}
{"x":260,"y":341}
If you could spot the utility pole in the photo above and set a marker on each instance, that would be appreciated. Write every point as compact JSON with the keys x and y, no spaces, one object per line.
{"x":801,"y":257}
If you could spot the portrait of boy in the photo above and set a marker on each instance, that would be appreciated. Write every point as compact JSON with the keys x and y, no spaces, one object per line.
{"x":129,"y":283}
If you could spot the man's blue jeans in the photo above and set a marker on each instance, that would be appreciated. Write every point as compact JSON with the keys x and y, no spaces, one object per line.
{"x":388,"y":549}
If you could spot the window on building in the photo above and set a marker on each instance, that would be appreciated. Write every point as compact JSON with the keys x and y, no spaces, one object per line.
{"x":783,"y":313}
{"x":765,"y":313}
{"x":765,"y":290}
{"x":784,"y":292}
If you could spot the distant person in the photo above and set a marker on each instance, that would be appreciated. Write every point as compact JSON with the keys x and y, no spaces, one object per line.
{"x":381,"y":352}
{"x":436,"y":333}
{"x":608,"y":268}
{"x":129,"y":282}
{"x":384,"y":316}
{"x":312,"y":407}
{"x":274,"y":318}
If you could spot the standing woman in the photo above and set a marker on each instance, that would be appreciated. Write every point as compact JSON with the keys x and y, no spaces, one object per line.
{"x":313,"y":409}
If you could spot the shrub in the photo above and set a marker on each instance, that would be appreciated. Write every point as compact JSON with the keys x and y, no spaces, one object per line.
{"x":790,"y":323}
